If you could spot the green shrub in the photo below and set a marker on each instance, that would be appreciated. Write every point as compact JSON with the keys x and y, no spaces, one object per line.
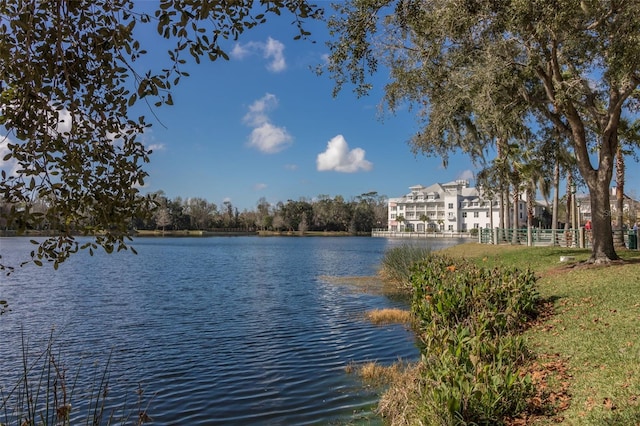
{"x":448,"y":292}
{"x":468,"y":316}
{"x":473,"y":377}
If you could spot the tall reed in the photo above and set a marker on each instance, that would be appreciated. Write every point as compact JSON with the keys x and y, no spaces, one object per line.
{"x":45,"y":395}
{"x":398,"y":261}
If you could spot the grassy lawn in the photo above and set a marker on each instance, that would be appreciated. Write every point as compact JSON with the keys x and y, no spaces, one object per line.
{"x":590,"y":342}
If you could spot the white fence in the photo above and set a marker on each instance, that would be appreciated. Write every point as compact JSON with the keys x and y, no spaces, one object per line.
{"x":532,"y":237}
{"x":405,"y":234}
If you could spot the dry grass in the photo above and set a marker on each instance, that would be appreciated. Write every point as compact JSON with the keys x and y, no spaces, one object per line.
{"x":389,"y":316}
{"x":376,"y":374}
{"x":401,"y":404}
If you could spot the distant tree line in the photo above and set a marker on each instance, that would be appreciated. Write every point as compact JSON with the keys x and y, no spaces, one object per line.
{"x":359,"y":215}
{"x":324,"y":213}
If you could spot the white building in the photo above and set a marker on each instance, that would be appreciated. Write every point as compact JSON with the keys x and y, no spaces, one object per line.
{"x":630,"y":208}
{"x":452,"y":206}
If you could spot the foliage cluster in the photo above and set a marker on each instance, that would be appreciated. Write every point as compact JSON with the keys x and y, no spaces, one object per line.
{"x":468,"y":317}
{"x":547,"y":86}
{"x":71,"y":75}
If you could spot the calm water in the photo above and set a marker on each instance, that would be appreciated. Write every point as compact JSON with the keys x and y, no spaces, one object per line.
{"x":224,"y":330}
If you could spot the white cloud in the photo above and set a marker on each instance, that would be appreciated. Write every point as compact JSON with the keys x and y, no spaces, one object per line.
{"x":269,"y":138}
{"x":259,"y":186}
{"x":239,"y":52}
{"x":466,"y":175}
{"x":257,"y":114}
{"x":266,"y":136}
{"x":157,"y":147}
{"x":339,"y":158}
{"x":64,"y":121}
{"x":10,"y":166}
{"x":272,"y":50}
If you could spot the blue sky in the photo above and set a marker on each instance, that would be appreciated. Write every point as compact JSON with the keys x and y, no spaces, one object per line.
{"x":263,"y":124}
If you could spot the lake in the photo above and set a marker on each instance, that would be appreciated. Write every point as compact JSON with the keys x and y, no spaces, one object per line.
{"x":220,"y":330}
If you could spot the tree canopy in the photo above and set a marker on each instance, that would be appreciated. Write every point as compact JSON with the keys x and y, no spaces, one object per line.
{"x":479,"y":71}
{"x":69,"y":76}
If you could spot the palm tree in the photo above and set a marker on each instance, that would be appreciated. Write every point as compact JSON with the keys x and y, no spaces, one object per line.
{"x":630,"y":138}
{"x":424,"y":218}
{"x":563,"y":159}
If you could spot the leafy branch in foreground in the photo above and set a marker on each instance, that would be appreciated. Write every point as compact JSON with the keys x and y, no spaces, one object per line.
{"x":69,"y":78}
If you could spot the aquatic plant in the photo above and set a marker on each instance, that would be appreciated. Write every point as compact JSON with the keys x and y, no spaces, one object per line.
{"x":45,"y":395}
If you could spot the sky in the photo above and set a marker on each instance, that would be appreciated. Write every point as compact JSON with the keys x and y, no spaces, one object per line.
{"x":264,"y":125}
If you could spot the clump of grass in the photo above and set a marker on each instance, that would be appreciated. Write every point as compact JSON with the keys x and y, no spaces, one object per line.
{"x":389,"y":316}
{"x":45,"y":395}
{"x":401,"y":403}
{"x":398,"y":261}
{"x":374,"y":373}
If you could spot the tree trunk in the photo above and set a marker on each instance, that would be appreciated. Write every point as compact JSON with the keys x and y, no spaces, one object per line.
{"x":603,"y":248}
{"x":556,"y":202}
{"x":516,"y":196}
{"x":598,"y":181}
{"x":567,"y":220}
{"x":530,"y":207}
{"x":501,"y":225}
{"x":618,"y":237}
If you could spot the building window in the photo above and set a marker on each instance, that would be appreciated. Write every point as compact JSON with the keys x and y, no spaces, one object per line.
{"x":476,"y":225}
{"x":393,"y":215}
{"x":464,"y":214}
{"x":393,"y":208}
{"x":476,"y":214}
{"x":450,"y":205}
{"x":487,"y":214}
{"x":450,"y":227}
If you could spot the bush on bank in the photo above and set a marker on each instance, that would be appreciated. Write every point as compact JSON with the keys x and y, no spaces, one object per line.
{"x":468,"y":318}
